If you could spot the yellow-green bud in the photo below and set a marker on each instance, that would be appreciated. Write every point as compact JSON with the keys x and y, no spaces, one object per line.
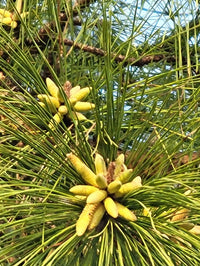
{"x":22,"y":16}
{"x":125,"y":212}
{"x":101,"y":181}
{"x":13,"y":24}
{"x":43,"y":105}
{"x":54,"y":90}
{"x":114,"y":186}
{"x":97,"y":196}
{"x":48,"y":106}
{"x":5,"y":13}
{"x":83,"y":190}
{"x":119,"y":164}
{"x":63,"y":109}
{"x":87,"y":174}
{"x":78,"y":116}
{"x":97,"y":216}
{"x":49,"y":100}
{"x":74,"y":90}
{"x":80,"y":197}
{"x":128,"y":187}
{"x":100,"y":165}
{"x":6,"y":20}
{"x":79,"y":95}
{"x":124,"y":176}
{"x":57,"y":118}
{"x":85,"y":218}
{"x":111,"y":207}
{"x":83,"y":106}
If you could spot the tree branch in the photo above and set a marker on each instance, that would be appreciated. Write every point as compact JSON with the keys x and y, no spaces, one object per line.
{"x":141,"y":61}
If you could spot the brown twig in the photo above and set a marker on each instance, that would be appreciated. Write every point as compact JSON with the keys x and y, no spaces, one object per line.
{"x":141,"y":61}
{"x":63,"y":17}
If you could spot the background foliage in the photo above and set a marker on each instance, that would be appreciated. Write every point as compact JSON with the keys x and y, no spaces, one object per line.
{"x":141,"y":59}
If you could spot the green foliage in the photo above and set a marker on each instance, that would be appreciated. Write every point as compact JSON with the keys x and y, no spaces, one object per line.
{"x":145,"y":87}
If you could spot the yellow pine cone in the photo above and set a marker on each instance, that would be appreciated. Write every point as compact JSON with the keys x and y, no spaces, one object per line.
{"x":48,"y":107}
{"x":79,"y":95}
{"x":57,"y":118}
{"x":5,"y":13}
{"x":119,"y":164}
{"x":74,"y":90}
{"x":83,"y":106}
{"x":21,"y":15}
{"x":100,"y":165}
{"x":72,"y":100}
{"x":80,"y":197}
{"x":49,"y":100}
{"x":18,"y":5}
{"x":13,"y":24}
{"x":137,"y":182}
{"x":83,"y":190}
{"x":97,"y":216}
{"x":82,"y":169}
{"x":111,"y":207}
{"x":96,"y":196}
{"x":125,"y":212}
{"x":85,"y":218}
{"x":43,"y":105}
{"x":128,"y":187}
{"x":125,"y":176}
{"x":97,"y":193}
{"x":78,"y":116}
{"x":101,"y":181}
{"x":53,"y":90}
{"x":180,"y":215}
{"x":114,"y":186}
{"x":6,"y":20}
{"x":63,"y":109}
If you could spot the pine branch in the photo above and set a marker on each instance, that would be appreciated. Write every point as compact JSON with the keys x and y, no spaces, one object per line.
{"x":43,"y":38}
{"x":120,"y":58}
{"x":82,"y":3}
{"x":178,"y":160}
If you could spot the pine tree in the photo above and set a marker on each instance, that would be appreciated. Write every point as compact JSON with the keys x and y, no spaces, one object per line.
{"x":99,"y":134}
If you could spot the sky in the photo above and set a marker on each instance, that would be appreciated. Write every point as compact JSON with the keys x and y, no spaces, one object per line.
{"x":176,"y":12}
